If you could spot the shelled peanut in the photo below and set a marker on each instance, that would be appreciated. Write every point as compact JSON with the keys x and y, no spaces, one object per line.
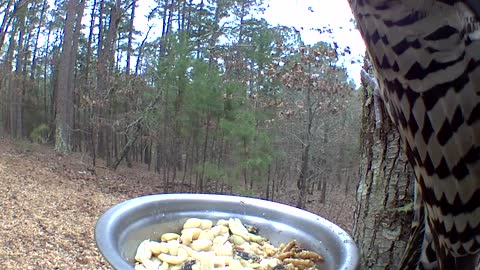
{"x":229,"y":244}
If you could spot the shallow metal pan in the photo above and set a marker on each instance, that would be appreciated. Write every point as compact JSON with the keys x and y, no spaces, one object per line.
{"x":120,"y":230}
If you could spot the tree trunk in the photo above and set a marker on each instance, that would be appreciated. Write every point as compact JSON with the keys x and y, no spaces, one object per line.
{"x":202,"y":183}
{"x":385,"y":192}
{"x":105,"y":64}
{"x":64,"y":97}
{"x":33,"y":65}
{"x":87,"y":83}
{"x":18,"y":87}
{"x":130,"y":39}
{"x":6,"y":80}
{"x":304,"y":177}
{"x":7,"y":19}
{"x":72,"y":83}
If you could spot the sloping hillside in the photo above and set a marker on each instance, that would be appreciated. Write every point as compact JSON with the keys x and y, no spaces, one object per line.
{"x":49,"y":204}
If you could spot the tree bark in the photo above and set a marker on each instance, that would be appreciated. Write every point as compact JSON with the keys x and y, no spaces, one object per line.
{"x":7,"y":19}
{"x":72,"y":83}
{"x":131,"y":28}
{"x":18,"y":87}
{"x":105,"y":64}
{"x":64,"y":97}
{"x":33,"y":65}
{"x":385,"y":192}
{"x":304,"y":177}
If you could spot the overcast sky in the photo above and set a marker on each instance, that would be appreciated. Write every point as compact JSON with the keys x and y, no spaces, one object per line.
{"x":317,"y":14}
{"x":306,"y":14}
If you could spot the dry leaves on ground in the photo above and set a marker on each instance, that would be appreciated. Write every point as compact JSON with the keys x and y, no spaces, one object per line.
{"x":49,"y":204}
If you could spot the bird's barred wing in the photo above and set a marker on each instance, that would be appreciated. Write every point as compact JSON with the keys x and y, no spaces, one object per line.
{"x":426,"y":55}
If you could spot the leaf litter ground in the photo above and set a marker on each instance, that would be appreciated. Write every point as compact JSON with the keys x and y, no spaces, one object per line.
{"x":49,"y":204}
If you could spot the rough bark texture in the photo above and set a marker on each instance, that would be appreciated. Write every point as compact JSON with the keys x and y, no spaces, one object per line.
{"x":385,"y":192}
{"x":64,"y":99}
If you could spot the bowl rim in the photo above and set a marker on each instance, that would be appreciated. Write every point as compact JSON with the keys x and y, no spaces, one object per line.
{"x":105,"y":244}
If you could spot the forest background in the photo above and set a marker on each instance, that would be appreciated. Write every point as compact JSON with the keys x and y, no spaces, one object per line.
{"x":220,"y":98}
{"x":212,"y":99}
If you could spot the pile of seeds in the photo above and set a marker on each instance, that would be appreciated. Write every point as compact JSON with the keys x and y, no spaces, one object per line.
{"x":229,"y":244}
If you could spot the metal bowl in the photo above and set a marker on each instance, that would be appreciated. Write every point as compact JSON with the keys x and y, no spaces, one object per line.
{"x":120,"y":230}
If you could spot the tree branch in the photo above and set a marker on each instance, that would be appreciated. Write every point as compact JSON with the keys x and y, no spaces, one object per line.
{"x":137,"y":126}
{"x":377,"y":97}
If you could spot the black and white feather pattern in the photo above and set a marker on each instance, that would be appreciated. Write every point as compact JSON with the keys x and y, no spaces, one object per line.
{"x":426,"y":54}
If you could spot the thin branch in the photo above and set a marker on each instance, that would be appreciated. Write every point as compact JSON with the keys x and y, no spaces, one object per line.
{"x":371,"y":81}
{"x":137,"y":126}
{"x":295,"y":136}
{"x":377,"y":97}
